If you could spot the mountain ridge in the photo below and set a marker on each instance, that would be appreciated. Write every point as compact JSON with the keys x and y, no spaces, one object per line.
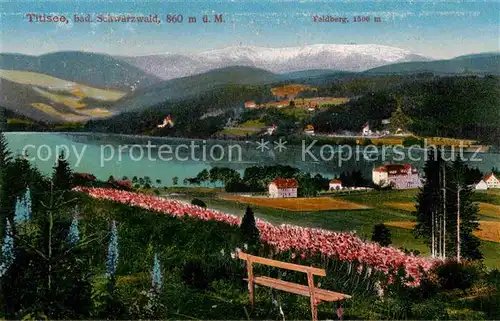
{"x":93,"y":69}
{"x":482,"y":63}
{"x":353,"y":58}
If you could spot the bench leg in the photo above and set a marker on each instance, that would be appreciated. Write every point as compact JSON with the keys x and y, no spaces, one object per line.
{"x":251,"y":289}
{"x":314,"y":309}
{"x":251,"y":285}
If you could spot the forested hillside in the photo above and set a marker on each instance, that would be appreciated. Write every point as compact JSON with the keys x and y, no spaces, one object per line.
{"x":464,"y":107}
{"x":461,"y":107}
{"x":199,"y":116}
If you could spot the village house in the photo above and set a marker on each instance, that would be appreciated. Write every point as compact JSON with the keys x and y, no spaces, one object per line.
{"x":481,"y":185}
{"x":309,"y":130}
{"x":492,"y":181}
{"x":250,"y":104}
{"x":281,"y":104}
{"x":365,"y":130}
{"x":271,"y":130}
{"x":167,"y":121}
{"x":283,"y":187}
{"x":398,"y":176}
{"x":335,"y":185}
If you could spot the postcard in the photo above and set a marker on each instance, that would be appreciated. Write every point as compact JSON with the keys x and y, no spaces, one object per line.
{"x":249,"y":160}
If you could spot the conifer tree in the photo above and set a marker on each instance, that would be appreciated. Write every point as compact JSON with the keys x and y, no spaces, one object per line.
{"x":20,"y":174}
{"x":444,"y":200}
{"x":5,"y":156}
{"x":249,"y":231}
{"x":429,"y":203}
{"x":462,"y":244}
{"x":62,"y":176}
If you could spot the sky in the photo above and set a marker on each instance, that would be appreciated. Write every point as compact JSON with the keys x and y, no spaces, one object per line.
{"x":437,"y":29}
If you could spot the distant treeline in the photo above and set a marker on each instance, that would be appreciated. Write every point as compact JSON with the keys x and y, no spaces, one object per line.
{"x":256,"y":179}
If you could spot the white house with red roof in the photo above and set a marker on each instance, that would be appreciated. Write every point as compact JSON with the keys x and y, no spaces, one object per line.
{"x":335,"y":185}
{"x":283,"y":187}
{"x":481,"y":185}
{"x":399,"y":176}
{"x":250,"y":104}
{"x":492,"y":181}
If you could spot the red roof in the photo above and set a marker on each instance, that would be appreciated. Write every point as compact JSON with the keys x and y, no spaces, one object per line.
{"x":487,"y":178}
{"x":250,"y":103}
{"x":282,"y":183}
{"x":395,"y":169}
{"x":335,"y":181}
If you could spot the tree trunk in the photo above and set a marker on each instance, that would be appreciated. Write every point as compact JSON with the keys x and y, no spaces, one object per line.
{"x":444,"y":211}
{"x":458,"y":223}
{"x":433,"y":241}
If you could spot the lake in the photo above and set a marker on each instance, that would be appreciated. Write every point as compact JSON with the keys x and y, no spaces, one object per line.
{"x":163,"y":158}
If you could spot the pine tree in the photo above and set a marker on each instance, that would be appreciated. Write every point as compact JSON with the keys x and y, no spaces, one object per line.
{"x":7,"y":250}
{"x":444,"y":200}
{"x":5,"y":159}
{"x":462,"y":244}
{"x":62,"y":176}
{"x":5,"y":156}
{"x":399,"y":120}
{"x":429,"y":206}
{"x":249,"y":230}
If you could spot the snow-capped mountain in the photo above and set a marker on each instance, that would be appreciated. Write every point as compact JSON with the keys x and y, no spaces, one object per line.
{"x":277,"y":60}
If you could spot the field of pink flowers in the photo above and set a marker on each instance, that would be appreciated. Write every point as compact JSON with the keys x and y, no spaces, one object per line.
{"x":302,"y":240}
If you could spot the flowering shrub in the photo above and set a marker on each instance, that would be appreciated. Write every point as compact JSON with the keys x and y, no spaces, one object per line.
{"x":302,"y":240}
{"x":23,"y":208}
{"x":7,"y":257}
{"x":112,"y":261}
{"x":74,"y":232}
{"x":156,"y":275}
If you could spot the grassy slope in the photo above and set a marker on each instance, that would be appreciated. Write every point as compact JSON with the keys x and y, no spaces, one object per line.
{"x":53,"y":97}
{"x":43,"y":80}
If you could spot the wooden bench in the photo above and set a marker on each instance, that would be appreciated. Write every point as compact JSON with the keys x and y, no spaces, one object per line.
{"x":317,"y":295}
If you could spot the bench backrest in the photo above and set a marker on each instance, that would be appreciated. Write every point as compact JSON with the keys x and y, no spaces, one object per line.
{"x":283,"y":265}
